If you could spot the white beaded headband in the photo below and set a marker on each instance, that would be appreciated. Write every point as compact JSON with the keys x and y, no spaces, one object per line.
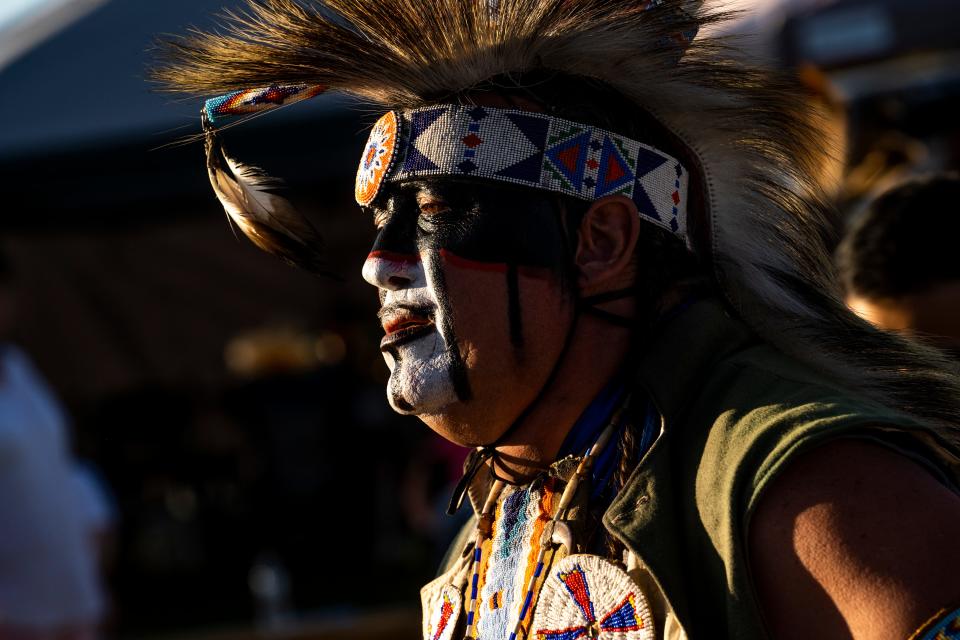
{"x":524,"y":148}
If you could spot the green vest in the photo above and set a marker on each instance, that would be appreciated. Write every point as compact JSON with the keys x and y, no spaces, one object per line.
{"x":735,"y":412}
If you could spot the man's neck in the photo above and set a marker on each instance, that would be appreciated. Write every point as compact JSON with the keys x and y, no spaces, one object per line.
{"x":596,"y":355}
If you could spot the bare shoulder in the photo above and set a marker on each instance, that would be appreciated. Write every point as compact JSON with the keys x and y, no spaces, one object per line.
{"x":854,"y":540}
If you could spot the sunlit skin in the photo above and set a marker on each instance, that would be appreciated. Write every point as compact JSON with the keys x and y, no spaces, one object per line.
{"x":860,"y":536}
{"x":932,"y":314}
{"x":469,"y":356}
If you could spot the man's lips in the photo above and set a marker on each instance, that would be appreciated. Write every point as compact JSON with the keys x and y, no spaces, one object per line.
{"x":404,"y":323}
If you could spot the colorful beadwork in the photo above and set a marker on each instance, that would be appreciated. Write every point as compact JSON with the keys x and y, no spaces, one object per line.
{"x":255,"y":100}
{"x":444,"y":621}
{"x":377,"y":158}
{"x":944,"y":626}
{"x":485,"y":525}
{"x":520,"y":523}
{"x":514,"y":548}
{"x":589,"y":597}
{"x":538,"y":151}
{"x":583,"y":471}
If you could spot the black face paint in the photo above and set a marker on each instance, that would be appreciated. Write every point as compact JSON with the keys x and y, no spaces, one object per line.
{"x":458,"y":370}
{"x":510,"y":227}
{"x":398,"y":399}
{"x":472,"y":226}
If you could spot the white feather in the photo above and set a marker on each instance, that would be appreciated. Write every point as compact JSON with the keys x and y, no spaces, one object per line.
{"x":269,"y":220}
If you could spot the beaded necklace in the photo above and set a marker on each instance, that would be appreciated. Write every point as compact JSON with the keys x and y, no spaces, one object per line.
{"x":485,"y":526}
{"x":484,"y":529}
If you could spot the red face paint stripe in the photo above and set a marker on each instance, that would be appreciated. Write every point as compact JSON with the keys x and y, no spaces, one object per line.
{"x":464,"y":263}
{"x":536,"y":273}
{"x":391,"y":256}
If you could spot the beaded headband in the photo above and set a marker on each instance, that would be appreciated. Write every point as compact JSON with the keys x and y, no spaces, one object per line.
{"x":529,"y":149}
{"x":505,"y":145}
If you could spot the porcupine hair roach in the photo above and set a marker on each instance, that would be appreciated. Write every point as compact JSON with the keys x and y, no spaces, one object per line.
{"x":749,"y":140}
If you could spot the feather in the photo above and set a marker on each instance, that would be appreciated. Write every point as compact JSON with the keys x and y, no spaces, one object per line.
{"x":267,"y":219}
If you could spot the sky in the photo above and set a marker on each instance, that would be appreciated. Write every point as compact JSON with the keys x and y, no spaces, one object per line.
{"x":11,"y":10}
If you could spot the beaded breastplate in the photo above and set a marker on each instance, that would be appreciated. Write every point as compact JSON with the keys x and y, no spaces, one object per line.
{"x":528,"y":577}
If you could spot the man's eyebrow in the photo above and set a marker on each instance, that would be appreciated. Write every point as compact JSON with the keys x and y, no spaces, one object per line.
{"x":420,"y":189}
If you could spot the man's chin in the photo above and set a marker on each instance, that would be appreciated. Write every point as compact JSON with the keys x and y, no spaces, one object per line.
{"x":449,"y":425}
{"x":437,"y":417}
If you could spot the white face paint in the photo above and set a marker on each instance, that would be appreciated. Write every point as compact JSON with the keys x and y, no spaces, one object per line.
{"x":418,"y":355}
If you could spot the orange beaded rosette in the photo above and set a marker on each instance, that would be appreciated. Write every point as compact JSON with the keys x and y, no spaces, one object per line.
{"x":377,"y":158}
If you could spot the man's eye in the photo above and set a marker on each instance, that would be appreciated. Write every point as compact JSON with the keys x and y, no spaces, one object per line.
{"x":434,"y":208}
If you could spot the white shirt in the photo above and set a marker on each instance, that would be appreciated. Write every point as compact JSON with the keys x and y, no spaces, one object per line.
{"x":48,"y":571}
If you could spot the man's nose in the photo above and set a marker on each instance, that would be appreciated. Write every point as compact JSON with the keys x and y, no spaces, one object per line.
{"x":393,"y":271}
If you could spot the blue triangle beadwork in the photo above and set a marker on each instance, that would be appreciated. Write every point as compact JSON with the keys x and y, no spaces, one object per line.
{"x":614,"y":171}
{"x":420,"y":122}
{"x":535,"y":130}
{"x":570,"y":158}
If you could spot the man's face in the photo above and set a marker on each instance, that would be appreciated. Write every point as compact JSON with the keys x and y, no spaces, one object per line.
{"x":472,"y":302}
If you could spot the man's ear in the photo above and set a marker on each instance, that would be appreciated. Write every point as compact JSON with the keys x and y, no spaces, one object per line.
{"x":608,"y":237}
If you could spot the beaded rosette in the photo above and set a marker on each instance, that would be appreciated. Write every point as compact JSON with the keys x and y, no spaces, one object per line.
{"x":377,"y":159}
{"x":586,"y":596}
{"x":943,"y":626}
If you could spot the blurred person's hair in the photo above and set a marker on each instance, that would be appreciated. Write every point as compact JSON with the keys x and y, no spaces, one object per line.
{"x":905,"y":242}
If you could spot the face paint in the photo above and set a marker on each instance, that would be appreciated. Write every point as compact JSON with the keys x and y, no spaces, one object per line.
{"x":419,"y":357}
{"x":446,"y":256}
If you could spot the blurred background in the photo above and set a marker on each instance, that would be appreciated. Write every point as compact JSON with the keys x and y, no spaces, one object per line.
{"x":224,"y":414}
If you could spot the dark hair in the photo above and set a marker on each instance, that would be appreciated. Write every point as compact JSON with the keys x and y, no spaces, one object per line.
{"x":905,"y":242}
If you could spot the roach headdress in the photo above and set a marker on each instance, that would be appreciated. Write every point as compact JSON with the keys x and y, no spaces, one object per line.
{"x":753,"y":152}
{"x":749,"y":140}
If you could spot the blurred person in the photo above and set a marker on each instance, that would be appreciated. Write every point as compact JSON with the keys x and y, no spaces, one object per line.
{"x":888,"y":71}
{"x":98,"y":510}
{"x":898,"y":262}
{"x":601,"y":259}
{"x":49,"y":584}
